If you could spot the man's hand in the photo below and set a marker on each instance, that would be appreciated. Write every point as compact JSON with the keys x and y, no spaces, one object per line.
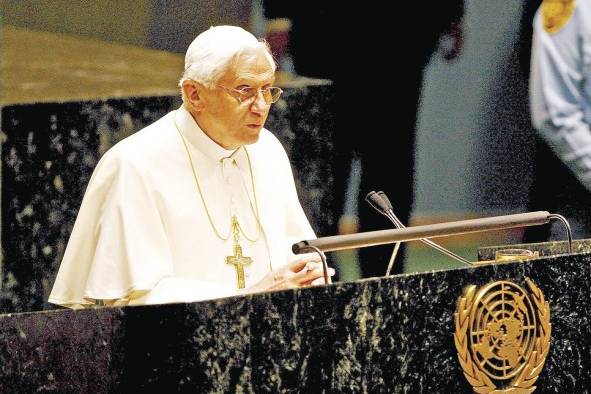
{"x":300,"y":273}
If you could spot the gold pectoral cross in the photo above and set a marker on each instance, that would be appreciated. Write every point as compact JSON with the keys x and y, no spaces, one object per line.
{"x":238,"y":260}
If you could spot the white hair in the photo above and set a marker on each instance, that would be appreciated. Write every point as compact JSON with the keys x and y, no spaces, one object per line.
{"x":211,"y":53}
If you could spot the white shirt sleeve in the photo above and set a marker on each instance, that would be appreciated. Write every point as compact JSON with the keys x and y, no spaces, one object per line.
{"x":559,"y":91}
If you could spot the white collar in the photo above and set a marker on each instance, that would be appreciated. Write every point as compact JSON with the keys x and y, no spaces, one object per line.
{"x":198,"y":139}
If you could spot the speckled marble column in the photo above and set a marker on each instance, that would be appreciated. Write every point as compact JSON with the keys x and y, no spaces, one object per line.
{"x":371,"y":336}
{"x":50,"y":151}
{"x":48,"y":156}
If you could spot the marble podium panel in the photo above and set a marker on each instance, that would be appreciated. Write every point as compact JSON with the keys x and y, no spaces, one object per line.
{"x":390,"y":335}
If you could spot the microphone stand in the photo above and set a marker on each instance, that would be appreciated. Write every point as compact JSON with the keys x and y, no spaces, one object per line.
{"x":381,"y":237}
{"x":385,"y":208}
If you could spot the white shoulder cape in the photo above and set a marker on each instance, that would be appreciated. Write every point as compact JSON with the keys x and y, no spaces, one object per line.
{"x":142,"y":236}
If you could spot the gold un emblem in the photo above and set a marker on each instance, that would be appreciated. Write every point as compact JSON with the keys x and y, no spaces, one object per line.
{"x":502,"y":336}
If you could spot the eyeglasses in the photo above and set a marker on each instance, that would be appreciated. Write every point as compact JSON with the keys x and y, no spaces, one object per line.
{"x":247,"y":94}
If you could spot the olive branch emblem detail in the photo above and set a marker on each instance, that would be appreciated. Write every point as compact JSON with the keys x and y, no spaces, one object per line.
{"x":502,"y":333}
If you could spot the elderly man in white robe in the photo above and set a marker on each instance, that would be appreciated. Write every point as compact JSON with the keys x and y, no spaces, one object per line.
{"x":199,"y":205}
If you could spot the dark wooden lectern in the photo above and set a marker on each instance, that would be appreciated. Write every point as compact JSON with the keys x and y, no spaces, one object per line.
{"x":377,"y":335}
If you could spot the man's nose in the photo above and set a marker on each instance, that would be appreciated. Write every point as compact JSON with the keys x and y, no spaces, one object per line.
{"x":259,"y":105}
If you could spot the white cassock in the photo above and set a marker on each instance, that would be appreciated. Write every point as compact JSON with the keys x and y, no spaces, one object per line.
{"x":143,"y":236}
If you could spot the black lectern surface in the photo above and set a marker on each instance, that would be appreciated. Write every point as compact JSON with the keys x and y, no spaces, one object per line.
{"x":377,"y":335}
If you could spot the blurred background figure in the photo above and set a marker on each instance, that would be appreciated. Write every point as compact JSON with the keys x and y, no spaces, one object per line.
{"x":560,"y":99}
{"x":277,"y":32}
{"x":302,"y":33}
{"x":364,"y":122}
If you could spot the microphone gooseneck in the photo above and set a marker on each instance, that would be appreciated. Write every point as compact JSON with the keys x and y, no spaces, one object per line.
{"x":382,"y":205}
{"x":380,"y":202}
{"x":569,"y":234}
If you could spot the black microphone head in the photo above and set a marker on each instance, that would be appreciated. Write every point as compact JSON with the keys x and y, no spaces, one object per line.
{"x":376,"y":201}
{"x":300,"y":247}
{"x":369,"y":196}
{"x":386,"y":199}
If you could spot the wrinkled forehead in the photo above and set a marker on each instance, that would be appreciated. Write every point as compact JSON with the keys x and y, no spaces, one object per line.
{"x":251,"y":63}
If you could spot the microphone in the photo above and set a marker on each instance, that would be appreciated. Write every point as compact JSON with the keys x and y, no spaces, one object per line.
{"x":381,"y":237}
{"x":381,"y":203}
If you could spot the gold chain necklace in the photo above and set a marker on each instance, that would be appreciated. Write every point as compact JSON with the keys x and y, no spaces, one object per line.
{"x":235,"y":227}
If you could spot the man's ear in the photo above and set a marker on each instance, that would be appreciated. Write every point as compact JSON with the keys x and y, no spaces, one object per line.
{"x":193,"y":92}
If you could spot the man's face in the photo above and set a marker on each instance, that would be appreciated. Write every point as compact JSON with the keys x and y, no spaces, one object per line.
{"x":223,"y":117}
